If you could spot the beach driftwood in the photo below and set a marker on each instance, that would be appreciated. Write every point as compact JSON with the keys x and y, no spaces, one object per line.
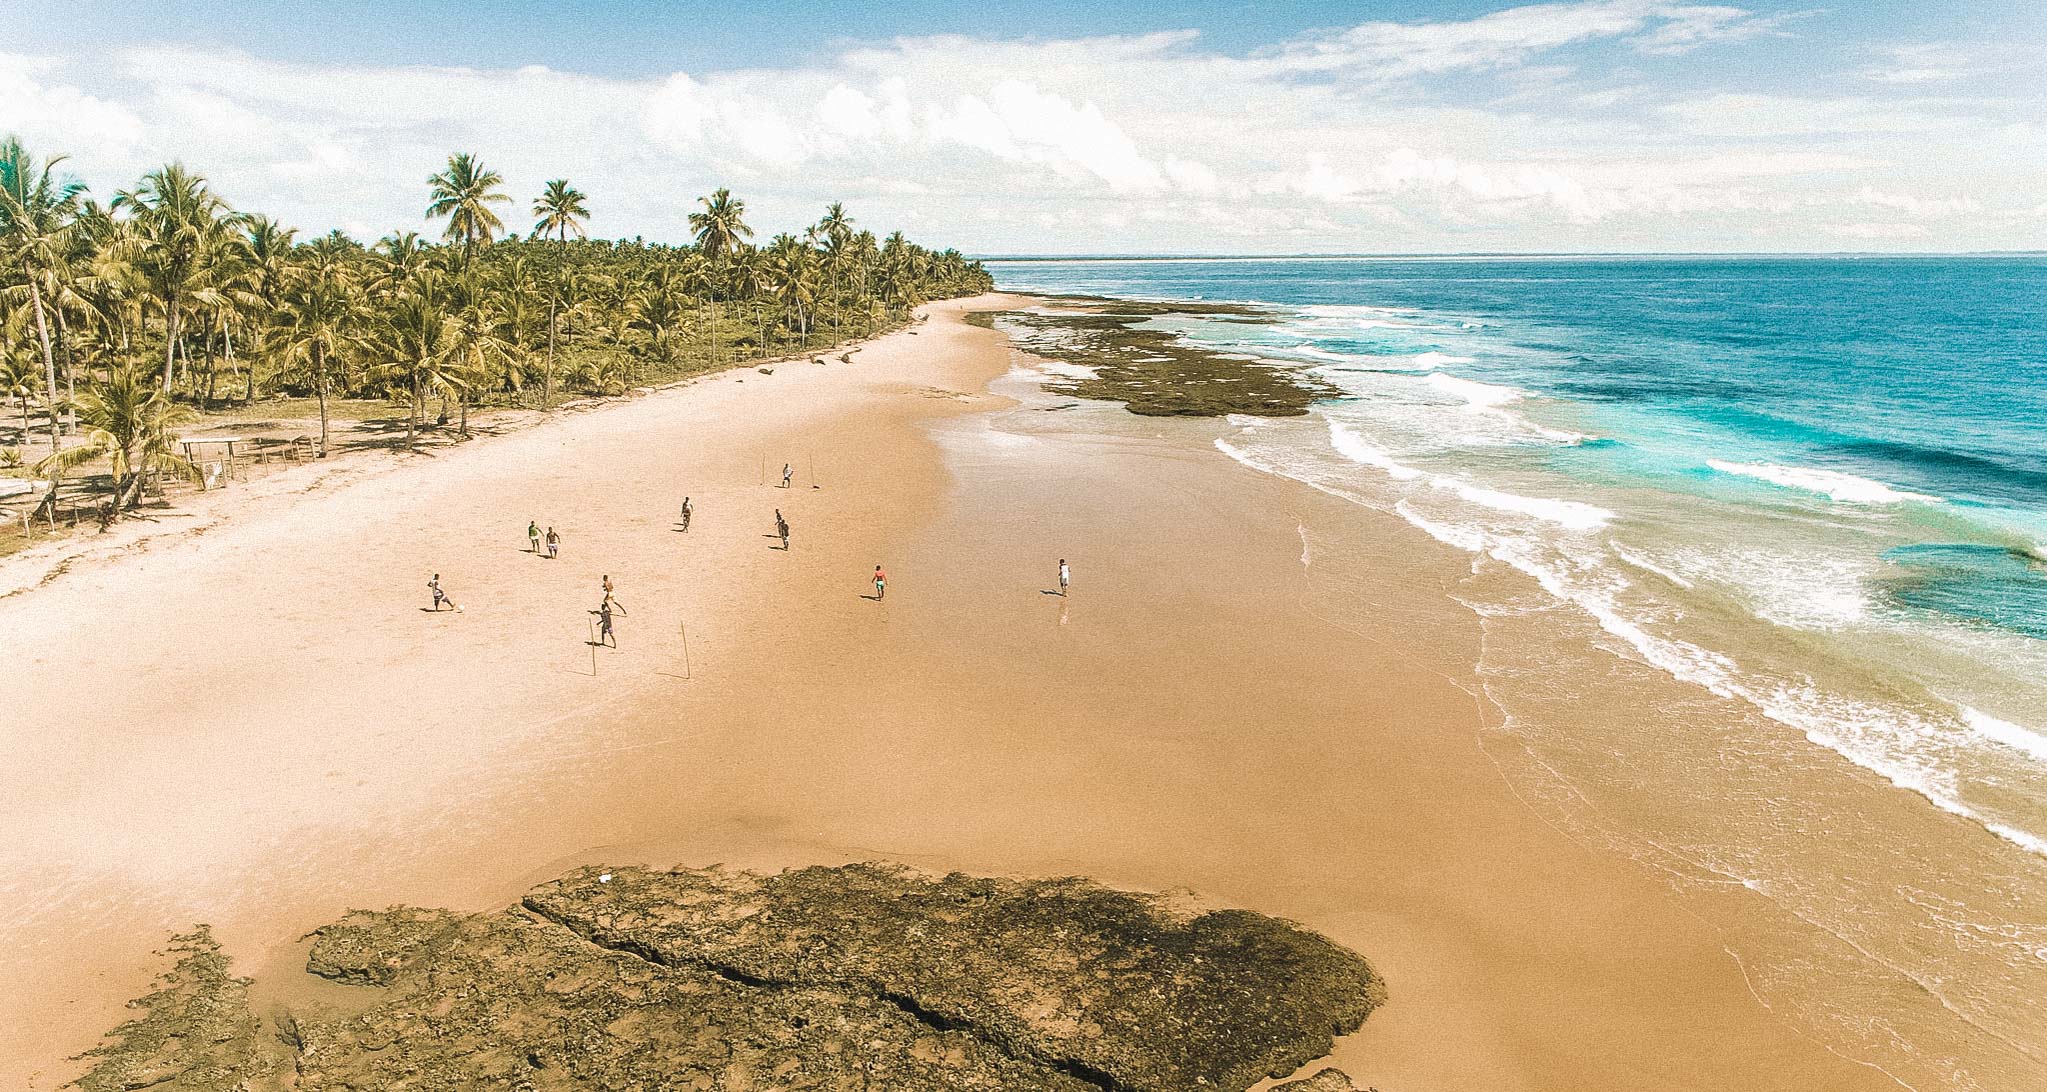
{"x":864,"y":976}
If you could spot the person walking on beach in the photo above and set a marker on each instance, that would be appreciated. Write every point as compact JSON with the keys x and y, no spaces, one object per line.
{"x":1065,"y":576}
{"x":603,"y":613}
{"x":782,"y":529}
{"x":554,"y":544}
{"x":607,"y":587}
{"x":440,"y":596}
{"x":685,"y":515}
{"x":880,"y":583}
{"x":533,"y":536}
{"x":788,"y":472}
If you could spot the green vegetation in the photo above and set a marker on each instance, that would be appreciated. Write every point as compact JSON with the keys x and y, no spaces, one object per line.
{"x":119,"y":320}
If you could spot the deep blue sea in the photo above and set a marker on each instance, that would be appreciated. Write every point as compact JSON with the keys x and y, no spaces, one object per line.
{"x":1808,"y":494}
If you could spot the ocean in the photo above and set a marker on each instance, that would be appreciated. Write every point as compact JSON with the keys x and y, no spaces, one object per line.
{"x":1759,"y":550}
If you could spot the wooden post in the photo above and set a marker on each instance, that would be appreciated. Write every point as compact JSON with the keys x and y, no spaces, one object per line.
{"x":686,"y":673}
{"x":593,"y":648}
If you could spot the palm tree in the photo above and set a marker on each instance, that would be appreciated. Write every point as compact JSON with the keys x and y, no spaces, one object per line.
{"x":320,"y":308}
{"x":130,"y":422}
{"x":419,"y":340}
{"x":560,"y":209}
{"x":656,"y":313}
{"x":19,"y":378}
{"x":36,"y":209}
{"x":180,"y":227}
{"x":266,"y":252}
{"x":793,"y":279}
{"x":464,"y":194}
{"x":720,"y":230}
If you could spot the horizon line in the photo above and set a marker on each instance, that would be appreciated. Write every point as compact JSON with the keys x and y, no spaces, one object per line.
{"x":1471,"y":254}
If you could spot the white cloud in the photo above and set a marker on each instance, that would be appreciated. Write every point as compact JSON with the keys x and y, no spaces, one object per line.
{"x":1389,"y":50}
{"x":1881,"y":232}
{"x":1923,"y":62}
{"x":1126,"y":142}
{"x":1915,"y":206}
{"x":39,"y":108}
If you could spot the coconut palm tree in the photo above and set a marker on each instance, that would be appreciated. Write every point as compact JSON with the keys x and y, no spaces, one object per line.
{"x":419,"y":342}
{"x":266,"y":254}
{"x":180,"y":227}
{"x":792,"y":269}
{"x":321,"y":310}
{"x":560,"y":209}
{"x":36,"y":209}
{"x":656,"y":313}
{"x":464,"y":194}
{"x":130,"y":421}
{"x":720,"y":230}
{"x":20,"y":379}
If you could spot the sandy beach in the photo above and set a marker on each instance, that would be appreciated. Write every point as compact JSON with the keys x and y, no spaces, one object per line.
{"x":260,"y":726}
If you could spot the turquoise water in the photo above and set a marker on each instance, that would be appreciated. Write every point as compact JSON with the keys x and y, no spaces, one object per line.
{"x":1834,"y":444}
{"x":1732,"y":522}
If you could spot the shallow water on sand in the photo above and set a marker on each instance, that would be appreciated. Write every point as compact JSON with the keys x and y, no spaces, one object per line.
{"x":1756,"y":546}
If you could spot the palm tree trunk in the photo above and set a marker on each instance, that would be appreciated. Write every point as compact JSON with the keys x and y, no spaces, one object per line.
{"x":132,"y":480}
{"x":70,"y":379}
{"x":547,"y":378}
{"x":320,"y":391}
{"x":170,"y":341}
{"x":412,"y":420}
{"x":35,"y":293}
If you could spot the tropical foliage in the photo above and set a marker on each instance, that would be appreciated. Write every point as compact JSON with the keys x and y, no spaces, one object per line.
{"x":119,"y":318}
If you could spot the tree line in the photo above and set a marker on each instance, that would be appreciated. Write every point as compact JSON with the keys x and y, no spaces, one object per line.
{"x":120,"y":319}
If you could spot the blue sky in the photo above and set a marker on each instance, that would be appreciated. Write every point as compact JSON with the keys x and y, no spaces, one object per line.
{"x":1063,"y":126}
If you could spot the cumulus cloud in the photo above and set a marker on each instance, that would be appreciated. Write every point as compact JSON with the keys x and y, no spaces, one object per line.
{"x":1337,"y":140}
{"x":1391,"y":50}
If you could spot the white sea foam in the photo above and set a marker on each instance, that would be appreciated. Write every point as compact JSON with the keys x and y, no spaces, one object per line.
{"x":1353,"y":447}
{"x":1576,"y":515}
{"x":1434,"y":359}
{"x":1320,"y":353}
{"x":1489,"y":398}
{"x":2031,"y":743}
{"x":1643,"y":563}
{"x":1476,"y":394}
{"x":1844,"y":488}
{"x":1799,"y":590}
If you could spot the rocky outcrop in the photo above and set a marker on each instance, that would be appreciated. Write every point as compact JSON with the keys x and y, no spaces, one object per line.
{"x":193,"y":1033}
{"x":1128,"y":357}
{"x":1328,"y":1080}
{"x":860,"y":977}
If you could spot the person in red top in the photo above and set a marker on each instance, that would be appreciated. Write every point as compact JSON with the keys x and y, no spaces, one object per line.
{"x":880,"y":582}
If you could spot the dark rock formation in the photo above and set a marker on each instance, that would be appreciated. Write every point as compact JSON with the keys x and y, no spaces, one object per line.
{"x":831,"y":978}
{"x":1151,"y":370}
{"x":1328,"y":1080}
{"x":194,"y":1034}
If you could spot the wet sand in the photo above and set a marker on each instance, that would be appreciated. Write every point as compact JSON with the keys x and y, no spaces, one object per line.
{"x":259,"y":727}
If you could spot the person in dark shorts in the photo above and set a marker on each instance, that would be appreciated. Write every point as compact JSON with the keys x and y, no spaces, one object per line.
{"x":440,"y":596}
{"x":685,"y":514}
{"x":782,"y":529}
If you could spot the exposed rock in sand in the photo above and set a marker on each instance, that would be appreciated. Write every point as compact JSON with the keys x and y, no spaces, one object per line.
{"x":1328,"y":1080}
{"x":857,"y":977}
{"x":194,"y":1033}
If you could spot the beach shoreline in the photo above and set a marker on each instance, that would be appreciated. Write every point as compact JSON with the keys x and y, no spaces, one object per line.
{"x":277,"y":733}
